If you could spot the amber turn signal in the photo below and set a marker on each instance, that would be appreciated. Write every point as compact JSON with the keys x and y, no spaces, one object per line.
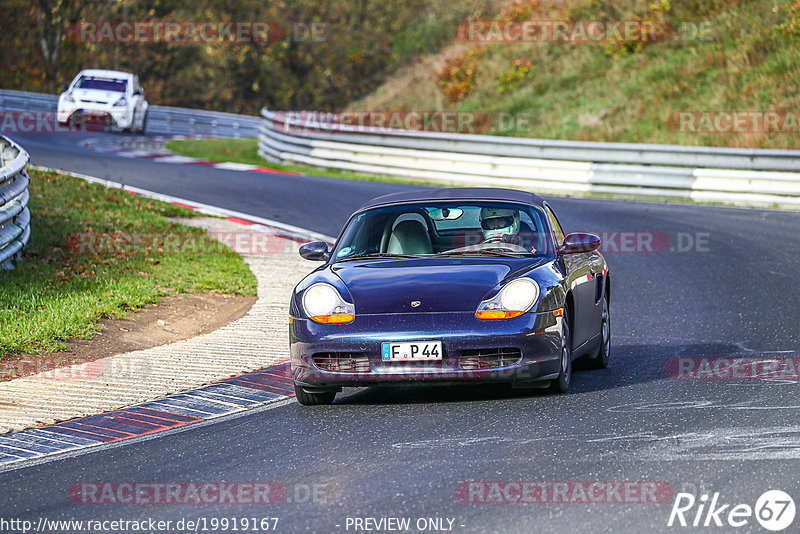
{"x":331,"y":319}
{"x":497,"y":314}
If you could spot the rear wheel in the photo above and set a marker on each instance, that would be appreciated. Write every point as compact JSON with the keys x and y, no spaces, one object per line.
{"x":315,"y":398}
{"x":561,"y":384}
{"x":600,"y":361}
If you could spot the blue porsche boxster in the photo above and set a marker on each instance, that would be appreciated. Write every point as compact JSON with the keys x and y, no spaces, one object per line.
{"x":449,"y":286}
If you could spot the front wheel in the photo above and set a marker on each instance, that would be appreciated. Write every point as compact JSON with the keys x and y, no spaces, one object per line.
{"x":77,"y":121}
{"x":313,"y":399}
{"x":600,"y":361}
{"x":561,"y":384}
{"x":143,"y":129}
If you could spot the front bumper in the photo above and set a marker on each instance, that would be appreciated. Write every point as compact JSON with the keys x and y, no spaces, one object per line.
{"x":120,"y":117}
{"x":537,"y":336}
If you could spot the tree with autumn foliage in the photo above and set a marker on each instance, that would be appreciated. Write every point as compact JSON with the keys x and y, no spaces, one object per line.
{"x":363,"y":42}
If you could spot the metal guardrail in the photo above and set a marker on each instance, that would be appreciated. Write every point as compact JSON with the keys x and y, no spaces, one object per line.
{"x":161,"y":119}
{"x":594,"y":152}
{"x":15,"y":230}
{"x":725,"y":175}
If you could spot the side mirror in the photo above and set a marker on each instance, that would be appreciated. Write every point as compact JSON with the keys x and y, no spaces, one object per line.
{"x":64,"y":87}
{"x":579,"y":242}
{"x":316,"y":251}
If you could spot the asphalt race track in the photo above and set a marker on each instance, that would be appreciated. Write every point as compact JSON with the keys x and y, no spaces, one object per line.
{"x":403,"y":452}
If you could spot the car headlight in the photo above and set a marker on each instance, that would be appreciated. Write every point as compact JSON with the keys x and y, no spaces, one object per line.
{"x":68,"y":98}
{"x":323,"y":304}
{"x":515,"y":299}
{"x":121,"y":102}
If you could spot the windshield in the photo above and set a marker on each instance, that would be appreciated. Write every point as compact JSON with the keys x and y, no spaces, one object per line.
{"x":104,"y":84}
{"x":446,"y":229}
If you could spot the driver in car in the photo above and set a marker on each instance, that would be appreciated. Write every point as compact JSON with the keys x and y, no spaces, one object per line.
{"x":500,"y":225}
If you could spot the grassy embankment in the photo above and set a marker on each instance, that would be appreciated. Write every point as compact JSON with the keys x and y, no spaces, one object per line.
{"x":711,"y":55}
{"x":97,"y":253}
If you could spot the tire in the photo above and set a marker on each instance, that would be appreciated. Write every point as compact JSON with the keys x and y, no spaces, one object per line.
{"x":143,"y":129}
{"x":561,"y":384}
{"x":600,"y":360}
{"x":313,"y":399}
{"x":75,"y":123}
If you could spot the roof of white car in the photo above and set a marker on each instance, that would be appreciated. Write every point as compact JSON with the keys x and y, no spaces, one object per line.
{"x":105,"y":73}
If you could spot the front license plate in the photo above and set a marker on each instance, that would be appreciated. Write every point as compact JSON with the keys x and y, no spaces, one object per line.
{"x":412,"y":352}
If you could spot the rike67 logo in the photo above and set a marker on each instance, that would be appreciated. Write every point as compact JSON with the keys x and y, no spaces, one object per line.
{"x":774,"y":510}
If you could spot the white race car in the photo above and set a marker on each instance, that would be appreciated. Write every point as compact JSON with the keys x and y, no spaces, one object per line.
{"x":111,"y":97}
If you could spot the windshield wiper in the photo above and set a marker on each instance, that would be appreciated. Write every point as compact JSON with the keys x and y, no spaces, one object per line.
{"x":377,"y":255}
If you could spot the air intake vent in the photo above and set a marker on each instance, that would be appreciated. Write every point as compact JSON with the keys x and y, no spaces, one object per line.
{"x":488,"y":358}
{"x":342,"y":362}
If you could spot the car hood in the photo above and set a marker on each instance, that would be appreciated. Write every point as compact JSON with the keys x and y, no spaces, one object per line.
{"x":439,"y":285}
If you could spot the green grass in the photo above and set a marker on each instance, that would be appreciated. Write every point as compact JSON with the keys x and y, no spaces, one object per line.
{"x":59,"y":291}
{"x":222,"y":149}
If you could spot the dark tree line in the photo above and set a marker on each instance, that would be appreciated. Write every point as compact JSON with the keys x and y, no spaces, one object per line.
{"x":361,"y":42}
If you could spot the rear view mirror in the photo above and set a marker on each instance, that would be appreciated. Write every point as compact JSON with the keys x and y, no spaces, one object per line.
{"x":316,"y":251}
{"x":445,"y":214}
{"x":579,"y":242}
